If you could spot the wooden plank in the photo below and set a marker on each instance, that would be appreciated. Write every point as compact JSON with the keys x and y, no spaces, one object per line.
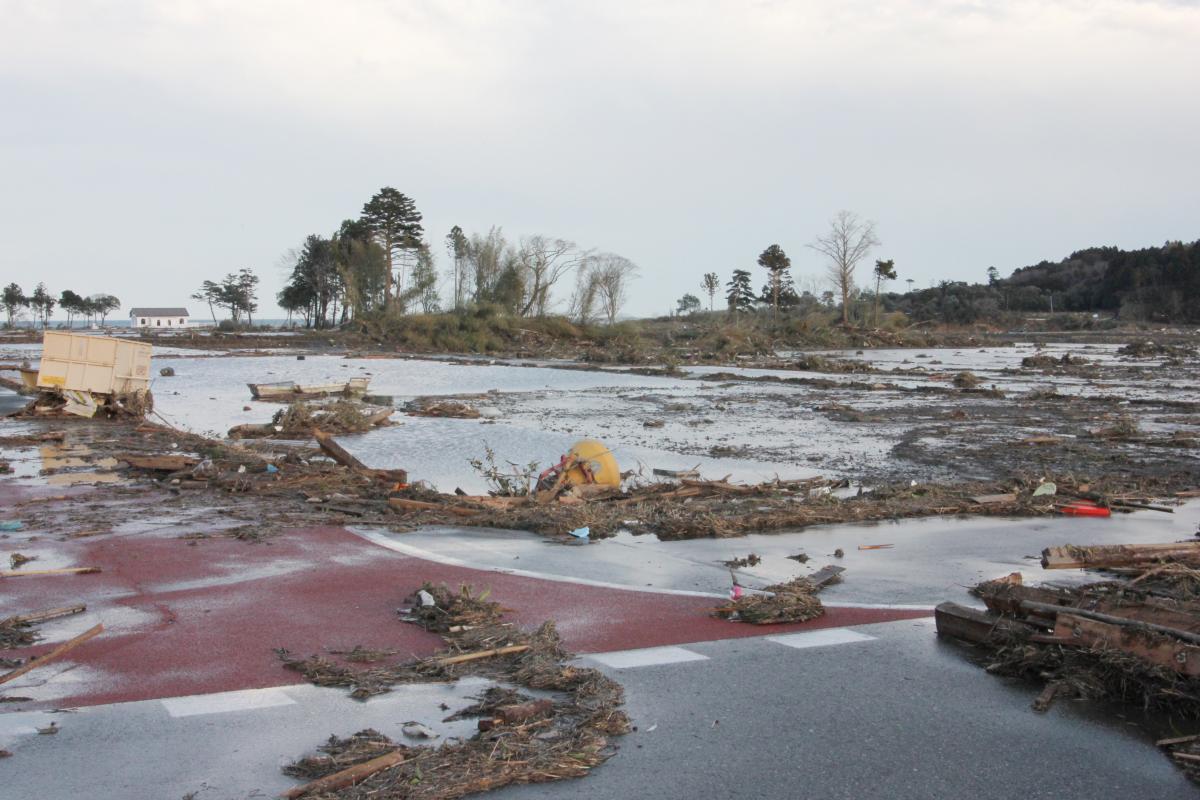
{"x":1118,"y":555}
{"x":1079,"y":631}
{"x":338,"y":453}
{"x":61,"y":650}
{"x":163,"y":463}
{"x":347,"y":777}
{"x":404,"y":504}
{"x":994,"y":499}
{"x":971,"y":624}
{"x":1156,"y":612}
{"x":30,"y":573}
{"x":825,"y":575}
{"x":1097,"y":616}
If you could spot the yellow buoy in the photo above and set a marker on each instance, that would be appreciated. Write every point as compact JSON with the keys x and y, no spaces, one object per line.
{"x":597,"y":460}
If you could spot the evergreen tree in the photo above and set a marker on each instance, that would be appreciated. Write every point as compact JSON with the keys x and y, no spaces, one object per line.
{"x":396,"y":224}
{"x":14,"y":300}
{"x":739,"y":294}
{"x":776,"y":263}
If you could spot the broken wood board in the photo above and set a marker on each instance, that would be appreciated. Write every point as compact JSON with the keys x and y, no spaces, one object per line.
{"x":1077,"y":631}
{"x":994,"y":499}
{"x":829,"y":574}
{"x":971,"y":624}
{"x":164,"y":463}
{"x":347,"y":777}
{"x":1119,"y":555}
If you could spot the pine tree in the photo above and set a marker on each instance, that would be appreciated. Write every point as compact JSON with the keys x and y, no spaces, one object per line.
{"x":396,"y":224}
{"x":739,"y":294}
{"x":776,"y":263}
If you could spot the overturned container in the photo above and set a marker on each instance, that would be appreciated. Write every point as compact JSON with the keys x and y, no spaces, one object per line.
{"x":95,"y":364}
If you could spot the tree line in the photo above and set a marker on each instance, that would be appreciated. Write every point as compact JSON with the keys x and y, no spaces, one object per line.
{"x":844,"y":246}
{"x":1158,"y":284}
{"x":41,"y":304}
{"x":381,"y":263}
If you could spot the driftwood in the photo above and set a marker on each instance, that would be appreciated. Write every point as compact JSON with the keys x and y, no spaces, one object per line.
{"x":348,"y":776}
{"x":61,"y":650}
{"x":31,"y":573}
{"x":465,"y":657}
{"x":1119,"y":555}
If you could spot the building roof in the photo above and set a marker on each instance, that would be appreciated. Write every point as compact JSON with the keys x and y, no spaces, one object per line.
{"x":159,"y":312}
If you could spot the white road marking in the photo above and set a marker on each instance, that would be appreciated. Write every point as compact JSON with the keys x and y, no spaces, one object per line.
{"x":646,"y":657}
{"x":386,"y":539}
{"x":225,"y":702}
{"x":822,"y":638}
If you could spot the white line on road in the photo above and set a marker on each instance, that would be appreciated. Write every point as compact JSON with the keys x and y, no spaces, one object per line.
{"x":225,"y":702}
{"x":387,"y":539}
{"x":822,"y":638}
{"x":646,"y":657}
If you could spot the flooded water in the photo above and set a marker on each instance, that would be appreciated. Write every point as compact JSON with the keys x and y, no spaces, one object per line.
{"x":748,"y":431}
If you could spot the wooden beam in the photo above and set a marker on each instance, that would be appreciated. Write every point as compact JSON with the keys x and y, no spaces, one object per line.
{"x":971,"y":624}
{"x":30,"y":573}
{"x":1043,"y":608}
{"x":347,"y":777}
{"x":165,"y":463}
{"x":61,"y":650}
{"x":1119,"y":555}
{"x":1078,"y":631}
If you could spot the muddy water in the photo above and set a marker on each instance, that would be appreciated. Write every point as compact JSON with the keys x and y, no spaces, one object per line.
{"x":913,"y":426}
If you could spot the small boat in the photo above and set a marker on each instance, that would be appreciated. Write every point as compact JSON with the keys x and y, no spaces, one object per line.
{"x":290,"y":390}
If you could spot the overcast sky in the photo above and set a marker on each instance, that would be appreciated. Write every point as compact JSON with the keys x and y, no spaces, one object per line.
{"x":147,"y":146}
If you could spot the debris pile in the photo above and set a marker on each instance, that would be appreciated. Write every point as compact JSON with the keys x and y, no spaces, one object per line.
{"x":1152,"y":349}
{"x":433,"y":407}
{"x":1134,"y":637}
{"x":300,"y":420}
{"x":520,"y":740}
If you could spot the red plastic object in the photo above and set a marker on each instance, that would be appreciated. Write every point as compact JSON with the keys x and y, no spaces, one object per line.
{"x":1086,"y":511}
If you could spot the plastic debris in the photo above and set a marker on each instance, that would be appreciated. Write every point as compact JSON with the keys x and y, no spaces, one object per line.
{"x":582,"y":533}
{"x":1045,"y":489}
{"x":11,"y":525}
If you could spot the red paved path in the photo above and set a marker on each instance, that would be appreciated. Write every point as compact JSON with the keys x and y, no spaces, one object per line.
{"x":190,"y":619}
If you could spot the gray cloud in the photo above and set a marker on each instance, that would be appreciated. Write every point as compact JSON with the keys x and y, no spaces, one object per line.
{"x":147,"y":146}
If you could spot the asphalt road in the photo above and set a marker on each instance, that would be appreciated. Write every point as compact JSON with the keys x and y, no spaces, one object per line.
{"x":896,"y":715}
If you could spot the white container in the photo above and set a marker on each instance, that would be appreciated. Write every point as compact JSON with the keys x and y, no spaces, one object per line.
{"x":96,"y":364}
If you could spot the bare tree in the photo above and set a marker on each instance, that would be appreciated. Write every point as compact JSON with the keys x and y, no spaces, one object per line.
{"x":582,"y":308}
{"x":711,"y":284}
{"x":612,"y":282}
{"x":485,"y":257}
{"x":543,"y":261}
{"x":848,"y":241}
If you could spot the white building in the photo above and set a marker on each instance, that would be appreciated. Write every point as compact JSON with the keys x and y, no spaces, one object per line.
{"x":158,"y":317}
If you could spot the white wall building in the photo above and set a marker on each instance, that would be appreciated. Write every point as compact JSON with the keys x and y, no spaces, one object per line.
{"x":158,"y":317}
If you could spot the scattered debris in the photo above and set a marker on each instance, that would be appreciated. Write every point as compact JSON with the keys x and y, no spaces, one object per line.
{"x":794,"y":601}
{"x":433,"y":407}
{"x":61,"y":650}
{"x":518,"y":742}
{"x":749,"y":561}
{"x":17,"y":559}
{"x":167,"y":372}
